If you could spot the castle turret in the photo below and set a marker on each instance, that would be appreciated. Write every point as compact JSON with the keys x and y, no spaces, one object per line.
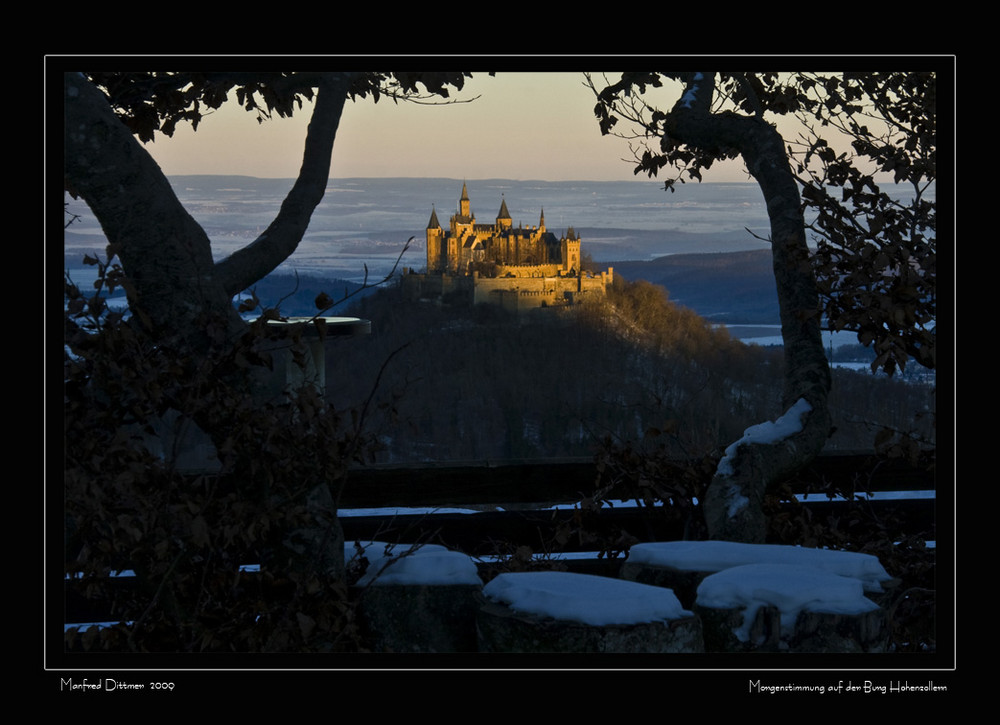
{"x":571,"y":251}
{"x":435,"y":236}
{"x":503,"y":216}
{"x":464,"y":207}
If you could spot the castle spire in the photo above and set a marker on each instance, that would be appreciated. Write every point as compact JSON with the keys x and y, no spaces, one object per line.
{"x":503,"y":213}
{"x":464,"y":208}
{"x":503,"y":216}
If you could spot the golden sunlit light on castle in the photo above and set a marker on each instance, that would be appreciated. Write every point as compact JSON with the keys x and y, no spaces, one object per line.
{"x":516,"y":267}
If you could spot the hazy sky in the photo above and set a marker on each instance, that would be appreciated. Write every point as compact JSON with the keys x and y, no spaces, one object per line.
{"x":522,"y":126}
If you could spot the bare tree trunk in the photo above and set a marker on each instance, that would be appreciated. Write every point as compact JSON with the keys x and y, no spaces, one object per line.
{"x":734,"y":500}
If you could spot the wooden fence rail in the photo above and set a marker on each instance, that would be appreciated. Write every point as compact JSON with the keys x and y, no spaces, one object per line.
{"x":520,"y":500}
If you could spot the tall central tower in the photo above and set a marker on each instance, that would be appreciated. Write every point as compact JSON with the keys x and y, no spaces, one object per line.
{"x":464,"y":209}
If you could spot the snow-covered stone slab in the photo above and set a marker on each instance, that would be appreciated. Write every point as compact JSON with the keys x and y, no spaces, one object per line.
{"x":417,"y":598}
{"x":567,"y":612}
{"x":714,"y":556}
{"x":412,"y":564}
{"x":816,"y":610}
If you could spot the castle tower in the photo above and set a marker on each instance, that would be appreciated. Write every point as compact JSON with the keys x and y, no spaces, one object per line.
{"x":435,"y":237}
{"x":503,"y":216}
{"x":571,"y":251}
{"x":463,"y":222}
{"x":464,"y":208}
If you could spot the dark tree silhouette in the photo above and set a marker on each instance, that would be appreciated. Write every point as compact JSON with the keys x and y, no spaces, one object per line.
{"x":876,"y":264}
{"x":186,"y":349}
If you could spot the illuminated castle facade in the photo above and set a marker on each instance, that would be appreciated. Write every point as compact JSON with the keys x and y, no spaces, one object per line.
{"x":467,"y":246}
{"x":517,"y":267}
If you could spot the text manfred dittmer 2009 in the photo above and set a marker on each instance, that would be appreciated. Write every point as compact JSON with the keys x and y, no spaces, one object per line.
{"x":109,"y":685}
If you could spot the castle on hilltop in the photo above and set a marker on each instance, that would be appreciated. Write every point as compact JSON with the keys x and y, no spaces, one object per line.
{"x":516,"y":267}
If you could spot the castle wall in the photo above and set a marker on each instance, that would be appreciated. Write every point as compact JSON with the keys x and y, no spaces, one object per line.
{"x":513,"y":293}
{"x":522,"y":293}
{"x":530,"y":270}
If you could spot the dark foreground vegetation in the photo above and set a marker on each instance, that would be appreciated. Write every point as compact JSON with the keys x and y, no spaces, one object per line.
{"x":644,"y":388}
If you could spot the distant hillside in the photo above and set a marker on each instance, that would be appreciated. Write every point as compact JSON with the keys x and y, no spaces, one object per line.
{"x":446,"y":381}
{"x":483,"y":383}
{"x":731,"y":287}
{"x":605,"y":244}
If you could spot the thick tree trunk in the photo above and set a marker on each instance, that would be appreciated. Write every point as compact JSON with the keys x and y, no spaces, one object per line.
{"x":181,"y":296}
{"x":734,"y":500}
{"x":166,"y":255}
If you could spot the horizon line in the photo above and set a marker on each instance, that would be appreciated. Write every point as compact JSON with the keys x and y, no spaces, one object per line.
{"x":465,"y":178}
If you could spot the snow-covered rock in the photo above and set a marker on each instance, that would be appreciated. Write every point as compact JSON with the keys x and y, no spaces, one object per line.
{"x":584,"y":598}
{"x":561,"y":612}
{"x":417,"y":598}
{"x":403,"y":564}
{"x":714,"y":556}
{"x":797,"y":608}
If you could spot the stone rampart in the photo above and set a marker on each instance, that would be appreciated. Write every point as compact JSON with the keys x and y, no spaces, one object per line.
{"x":512,"y":292}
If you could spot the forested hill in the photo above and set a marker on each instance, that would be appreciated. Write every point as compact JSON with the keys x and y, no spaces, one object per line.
{"x":481,"y":383}
{"x":446,"y":381}
{"x":731,"y":287}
